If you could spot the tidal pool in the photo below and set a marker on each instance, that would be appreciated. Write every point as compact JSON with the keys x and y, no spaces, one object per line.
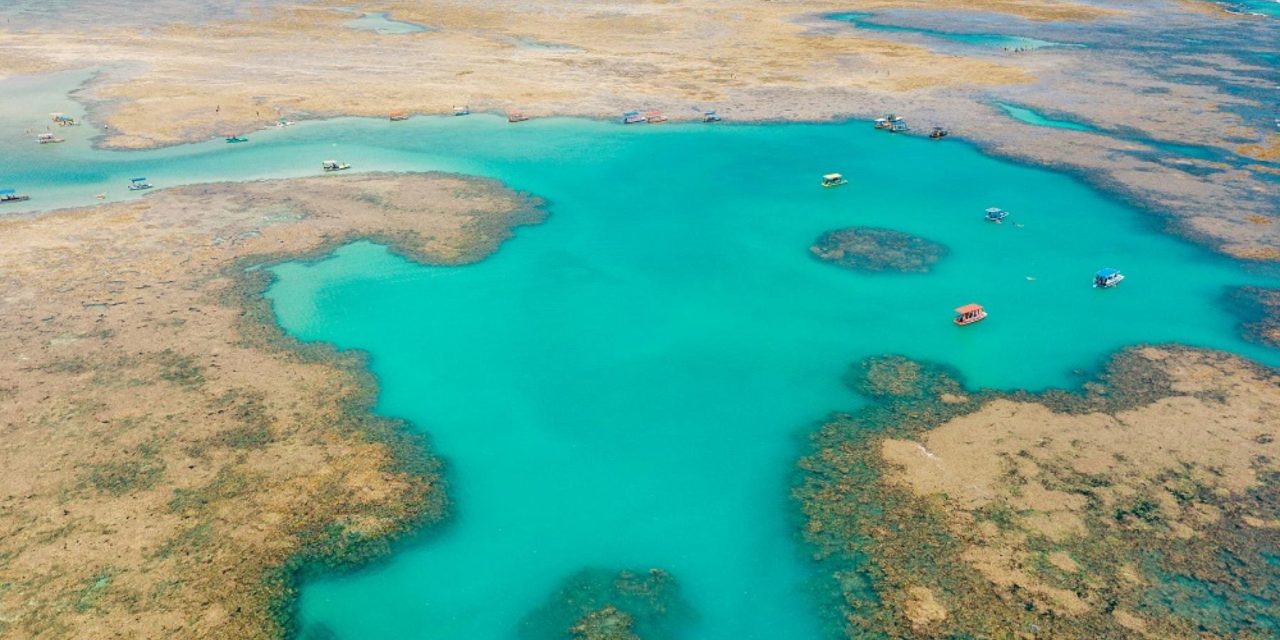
{"x":382,"y":23}
{"x":628,"y":384}
{"x":1001,"y":41}
{"x":1030,"y":116}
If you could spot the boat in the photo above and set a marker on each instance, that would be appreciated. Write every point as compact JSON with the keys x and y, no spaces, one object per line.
{"x":834,"y":180}
{"x":284,"y":122}
{"x":48,"y":138}
{"x":633,"y":117}
{"x":654,"y":117}
{"x":334,"y":165}
{"x":235,"y":139}
{"x":516,"y":116}
{"x":996,"y":214}
{"x":939,"y":133}
{"x":139,"y":184}
{"x":969,"y":314}
{"x":63,"y":120}
{"x":462,"y":111}
{"x":1107,"y":278}
{"x":898,"y":126}
{"x":710,"y":116}
{"x":891,"y":123}
{"x":397,"y":116}
{"x":10,"y":195}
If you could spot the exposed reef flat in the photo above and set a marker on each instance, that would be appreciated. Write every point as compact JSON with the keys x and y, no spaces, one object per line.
{"x":868,"y":249}
{"x":1160,"y":72}
{"x":598,"y":604}
{"x":171,"y":457}
{"x":1145,"y":506}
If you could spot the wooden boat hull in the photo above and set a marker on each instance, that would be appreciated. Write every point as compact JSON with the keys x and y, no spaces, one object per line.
{"x":962,"y":322}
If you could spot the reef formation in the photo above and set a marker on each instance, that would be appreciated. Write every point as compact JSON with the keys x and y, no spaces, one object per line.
{"x":171,"y":458}
{"x":1144,"y":506}
{"x":601,"y":604}
{"x":870,"y":249}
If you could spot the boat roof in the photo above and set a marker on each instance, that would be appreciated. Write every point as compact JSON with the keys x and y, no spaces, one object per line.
{"x":137,"y":179}
{"x":5,"y":192}
{"x":330,"y":162}
{"x":969,"y":308}
{"x":832,"y":176}
{"x":994,"y":209}
{"x":1108,"y":272}
{"x":630,"y":113}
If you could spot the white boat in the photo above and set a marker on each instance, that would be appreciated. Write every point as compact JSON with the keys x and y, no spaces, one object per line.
{"x":48,"y":138}
{"x":996,"y":214}
{"x":334,"y":165}
{"x":1107,"y":278}
{"x":139,"y":184}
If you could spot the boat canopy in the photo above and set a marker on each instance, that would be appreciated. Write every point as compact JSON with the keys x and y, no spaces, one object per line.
{"x":137,"y":180}
{"x":7,"y":192}
{"x":832,"y":177}
{"x":330,"y":162}
{"x":1107,"y":273}
{"x":631,"y":113}
{"x":968,"y":309}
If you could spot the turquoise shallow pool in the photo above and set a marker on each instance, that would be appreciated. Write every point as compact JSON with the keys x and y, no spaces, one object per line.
{"x":628,"y":384}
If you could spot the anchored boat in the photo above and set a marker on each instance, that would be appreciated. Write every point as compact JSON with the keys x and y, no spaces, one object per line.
{"x":969,"y":314}
{"x":1107,"y":278}
{"x":10,"y":195}
{"x":633,"y":117}
{"x":654,"y":117}
{"x":63,"y":120}
{"x":234,"y":139}
{"x":396,"y":116}
{"x":48,"y":138}
{"x":834,"y":180}
{"x":334,"y":165}
{"x":710,"y":116}
{"x":996,"y":214}
{"x":139,"y":184}
{"x":938,"y":133}
{"x":464,"y":110}
{"x":516,"y":116}
{"x":892,"y":124}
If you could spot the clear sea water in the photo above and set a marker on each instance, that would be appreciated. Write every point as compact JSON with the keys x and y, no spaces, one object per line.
{"x":629,"y":383}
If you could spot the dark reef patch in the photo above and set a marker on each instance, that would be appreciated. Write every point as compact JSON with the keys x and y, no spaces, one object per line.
{"x":870,"y":249}
{"x":1259,"y":310}
{"x":602,"y":604}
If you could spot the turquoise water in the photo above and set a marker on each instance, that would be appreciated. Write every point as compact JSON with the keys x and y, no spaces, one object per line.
{"x":382,"y":23}
{"x":629,"y":383}
{"x":1259,"y":7}
{"x":1038,"y":119}
{"x":987,"y":40}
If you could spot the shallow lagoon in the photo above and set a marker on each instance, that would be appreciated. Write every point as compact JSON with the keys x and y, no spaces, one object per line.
{"x":628,"y":384}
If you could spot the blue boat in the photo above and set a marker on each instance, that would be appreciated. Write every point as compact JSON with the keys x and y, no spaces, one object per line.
{"x":710,"y":116}
{"x":138,"y":184}
{"x":633,"y":117}
{"x":235,"y":139}
{"x":996,"y":214}
{"x":1107,"y":278}
{"x":10,"y":195}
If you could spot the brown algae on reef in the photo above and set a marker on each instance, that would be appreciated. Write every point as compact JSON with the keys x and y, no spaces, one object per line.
{"x":1144,"y":506}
